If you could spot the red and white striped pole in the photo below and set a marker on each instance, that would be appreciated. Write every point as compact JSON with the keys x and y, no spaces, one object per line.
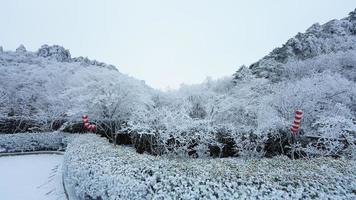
{"x":87,"y":126}
{"x":294,"y":129}
{"x":296,"y":122}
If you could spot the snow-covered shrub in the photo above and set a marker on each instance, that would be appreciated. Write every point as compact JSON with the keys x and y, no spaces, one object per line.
{"x":25,"y":142}
{"x":197,"y":109}
{"x":95,"y":169}
{"x":322,"y":95}
{"x":316,"y":96}
{"x":176,"y":132}
{"x":335,"y":134}
{"x":3,"y":101}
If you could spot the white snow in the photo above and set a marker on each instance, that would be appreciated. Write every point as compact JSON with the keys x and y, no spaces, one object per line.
{"x":31,"y":177}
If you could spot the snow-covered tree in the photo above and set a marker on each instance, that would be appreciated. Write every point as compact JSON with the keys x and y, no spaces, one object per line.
{"x":21,"y":49}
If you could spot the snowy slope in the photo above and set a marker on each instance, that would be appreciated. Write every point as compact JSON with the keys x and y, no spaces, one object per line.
{"x":331,"y":37}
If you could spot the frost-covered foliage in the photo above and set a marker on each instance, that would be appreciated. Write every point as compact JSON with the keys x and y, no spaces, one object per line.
{"x":24,"y":142}
{"x":3,"y":101}
{"x":94,"y":169}
{"x":249,"y":110}
{"x":324,"y":94}
{"x":328,"y":101}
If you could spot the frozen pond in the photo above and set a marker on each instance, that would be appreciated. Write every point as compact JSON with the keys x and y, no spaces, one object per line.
{"x":31,"y":177}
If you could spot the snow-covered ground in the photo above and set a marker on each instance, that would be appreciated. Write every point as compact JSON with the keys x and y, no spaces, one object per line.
{"x":31,"y":177}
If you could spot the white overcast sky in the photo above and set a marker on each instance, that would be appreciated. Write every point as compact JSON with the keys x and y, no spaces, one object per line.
{"x":164,"y":42}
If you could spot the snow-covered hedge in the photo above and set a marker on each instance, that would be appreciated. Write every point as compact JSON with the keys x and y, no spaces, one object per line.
{"x":95,"y":169}
{"x":24,"y":142}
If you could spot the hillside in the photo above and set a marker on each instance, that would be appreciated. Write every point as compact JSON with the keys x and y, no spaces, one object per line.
{"x":331,"y":37}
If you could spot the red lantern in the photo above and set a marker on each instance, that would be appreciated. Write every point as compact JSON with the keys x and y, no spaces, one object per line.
{"x":87,"y":125}
{"x":298,"y":112}
{"x":296,"y":122}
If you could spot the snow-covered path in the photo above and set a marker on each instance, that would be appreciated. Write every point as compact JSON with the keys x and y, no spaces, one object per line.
{"x":31,"y":177}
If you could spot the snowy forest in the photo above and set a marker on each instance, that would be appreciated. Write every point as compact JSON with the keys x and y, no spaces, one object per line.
{"x":247,"y":115}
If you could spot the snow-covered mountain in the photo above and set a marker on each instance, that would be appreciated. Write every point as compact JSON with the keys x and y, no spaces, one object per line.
{"x":331,"y":37}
